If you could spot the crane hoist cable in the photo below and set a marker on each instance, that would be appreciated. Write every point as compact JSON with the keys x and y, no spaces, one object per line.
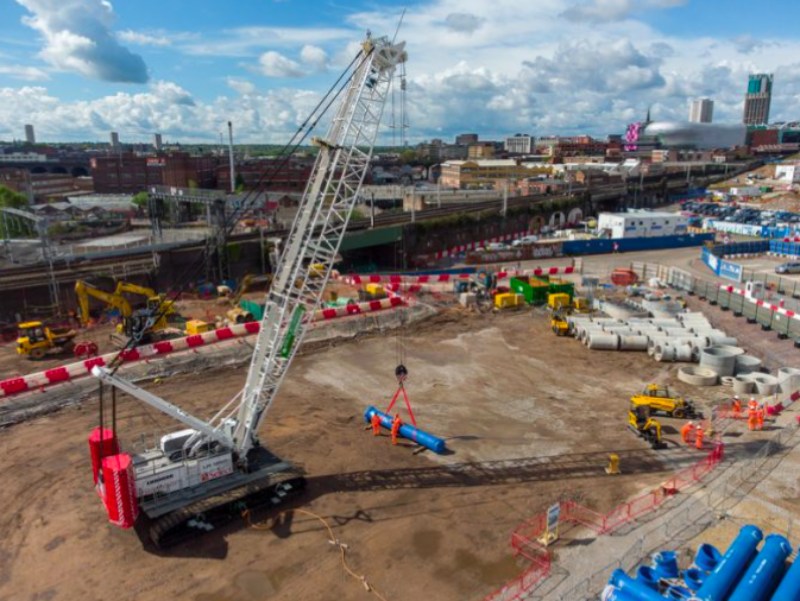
{"x":288,"y":149}
{"x":285,"y":153}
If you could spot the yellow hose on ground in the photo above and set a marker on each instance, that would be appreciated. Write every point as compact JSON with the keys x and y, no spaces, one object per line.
{"x":342,"y":547}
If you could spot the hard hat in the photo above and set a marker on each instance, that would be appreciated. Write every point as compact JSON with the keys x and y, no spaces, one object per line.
{"x":736,"y":396}
{"x":690,"y":423}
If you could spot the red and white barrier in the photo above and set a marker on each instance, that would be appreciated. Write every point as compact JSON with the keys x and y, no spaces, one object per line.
{"x":79,"y":369}
{"x":462,"y":248}
{"x":377,"y":278}
{"x":776,"y":308}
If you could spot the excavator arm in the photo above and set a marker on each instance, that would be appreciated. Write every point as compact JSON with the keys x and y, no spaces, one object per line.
{"x":84,"y":292}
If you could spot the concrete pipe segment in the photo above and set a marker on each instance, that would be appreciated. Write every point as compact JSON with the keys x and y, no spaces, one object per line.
{"x":664,"y":354}
{"x":721,"y":359}
{"x":747,"y":364}
{"x":683,"y":352}
{"x":743,"y":384}
{"x":603,"y":342}
{"x":766,"y":384}
{"x":697,"y":376}
{"x":788,"y":379}
{"x":633,"y":343}
{"x":726,"y":381}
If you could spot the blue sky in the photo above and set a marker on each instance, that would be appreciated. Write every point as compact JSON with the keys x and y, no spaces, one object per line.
{"x":78,"y":69}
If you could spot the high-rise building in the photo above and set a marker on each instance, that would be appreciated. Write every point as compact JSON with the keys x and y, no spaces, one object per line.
{"x":757,"y":99}
{"x":30,"y":136}
{"x":157,"y":142}
{"x":701,"y":111}
{"x":519,"y":144}
{"x":114,"y":140}
{"x":466,"y":139}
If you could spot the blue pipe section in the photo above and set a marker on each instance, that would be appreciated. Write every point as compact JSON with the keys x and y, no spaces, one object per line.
{"x":425,"y":439}
{"x":789,"y":589}
{"x":736,"y":559}
{"x":693,"y":578}
{"x":707,"y":557}
{"x":665,"y":563}
{"x":648,"y":576}
{"x":764,"y":573}
{"x":624,"y":588}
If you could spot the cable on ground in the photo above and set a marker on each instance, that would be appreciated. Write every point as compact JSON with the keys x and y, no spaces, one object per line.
{"x":332,"y":540}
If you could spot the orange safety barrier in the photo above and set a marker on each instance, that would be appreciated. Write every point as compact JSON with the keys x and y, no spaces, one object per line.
{"x":524,"y":539}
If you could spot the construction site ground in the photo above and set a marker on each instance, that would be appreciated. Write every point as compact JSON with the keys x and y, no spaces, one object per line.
{"x":530,"y":419}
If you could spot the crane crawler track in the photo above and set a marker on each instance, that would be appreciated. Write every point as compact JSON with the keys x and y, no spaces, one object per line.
{"x":174,"y":528}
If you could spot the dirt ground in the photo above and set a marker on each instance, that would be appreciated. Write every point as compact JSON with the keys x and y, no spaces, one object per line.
{"x":529,"y":419}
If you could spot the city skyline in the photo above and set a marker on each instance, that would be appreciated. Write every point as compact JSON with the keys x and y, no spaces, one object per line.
{"x":79,"y":69}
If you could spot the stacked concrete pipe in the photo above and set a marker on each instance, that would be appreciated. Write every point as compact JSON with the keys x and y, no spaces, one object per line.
{"x":603,"y":341}
{"x":766,"y":384}
{"x":744,"y":384}
{"x":788,"y":379}
{"x":720,"y":359}
{"x":747,"y":364}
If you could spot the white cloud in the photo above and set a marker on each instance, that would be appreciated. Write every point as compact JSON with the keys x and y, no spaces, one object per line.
{"x":143,"y":39}
{"x":165,"y":107}
{"x":248,"y":41}
{"x":24,"y":73}
{"x":242,"y":86}
{"x":600,"y":11}
{"x":499,"y":67}
{"x":463,"y":22}
{"x":314,"y":56}
{"x":77,"y":37}
{"x":274,"y":64}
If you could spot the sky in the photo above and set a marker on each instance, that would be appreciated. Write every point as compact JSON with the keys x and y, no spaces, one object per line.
{"x":78,"y":69}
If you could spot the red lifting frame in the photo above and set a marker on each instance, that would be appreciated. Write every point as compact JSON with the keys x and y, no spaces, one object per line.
{"x":402,"y":389}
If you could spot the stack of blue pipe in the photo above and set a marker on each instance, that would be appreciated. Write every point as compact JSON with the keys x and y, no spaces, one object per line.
{"x":743,"y":573}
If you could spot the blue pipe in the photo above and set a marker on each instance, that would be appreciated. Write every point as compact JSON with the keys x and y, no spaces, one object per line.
{"x":429,"y":441}
{"x":764,"y":574}
{"x":611,"y":593}
{"x":626,"y":588}
{"x":648,"y":576}
{"x":736,"y":559}
{"x":693,"y":577}
{"x":665,"y":563}
{"x":789,"y":589}
{"x":707,"y":557}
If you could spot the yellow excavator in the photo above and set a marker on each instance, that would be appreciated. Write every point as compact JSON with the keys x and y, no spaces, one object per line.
{"x":236,"y":314}
{"x":646,"y":427}
{"x":661,"y":400}
{"x":133,"y":320}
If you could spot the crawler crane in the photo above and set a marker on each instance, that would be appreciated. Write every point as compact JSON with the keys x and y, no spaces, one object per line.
{"x":208,"y":470}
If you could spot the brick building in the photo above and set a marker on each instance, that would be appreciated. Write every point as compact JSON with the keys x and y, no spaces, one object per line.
{"x":132,"y":174}
{"x":289,"y":177}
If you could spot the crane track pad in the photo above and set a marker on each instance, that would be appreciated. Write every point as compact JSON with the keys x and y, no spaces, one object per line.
{"x":214,"y":512}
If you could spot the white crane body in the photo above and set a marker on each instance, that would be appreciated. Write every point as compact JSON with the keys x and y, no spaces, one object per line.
{"x":223,"y":453}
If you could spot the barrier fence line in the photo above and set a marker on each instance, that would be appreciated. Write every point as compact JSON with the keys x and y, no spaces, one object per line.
{"x":525,"y":537}
{"x":79,"y":369}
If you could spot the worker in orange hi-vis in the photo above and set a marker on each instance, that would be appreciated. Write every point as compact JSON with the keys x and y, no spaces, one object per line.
{"x":686,"y":432}
{"x":396,"y":427}
{"x":752,"y":419}
{"x":698,"y":437}
{"x":737,"y":407}
{"x":760,"y":417}
{"x":376,"y":424}
{"x":752,"y":404}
